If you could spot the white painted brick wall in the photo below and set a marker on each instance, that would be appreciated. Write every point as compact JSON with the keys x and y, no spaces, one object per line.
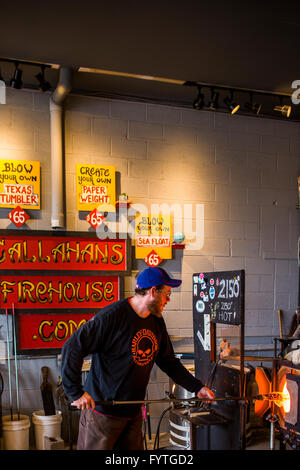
{"x":243,"y":169}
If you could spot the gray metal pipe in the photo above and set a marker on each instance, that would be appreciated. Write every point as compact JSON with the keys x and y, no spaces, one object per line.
{"x":272,"y":435}
{"x":64,"y":87}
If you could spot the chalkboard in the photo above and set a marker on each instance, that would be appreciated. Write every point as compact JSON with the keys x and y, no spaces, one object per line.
{"x":219,"y":295}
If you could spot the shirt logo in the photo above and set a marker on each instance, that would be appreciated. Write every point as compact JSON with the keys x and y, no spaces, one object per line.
{"x":143,"y":346}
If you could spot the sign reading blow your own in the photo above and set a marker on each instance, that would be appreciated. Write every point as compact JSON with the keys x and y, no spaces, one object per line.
{"x":20,"y":184}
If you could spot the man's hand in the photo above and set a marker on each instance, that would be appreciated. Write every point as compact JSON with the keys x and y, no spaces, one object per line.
{"x":84,"y":402}
{"x":205,"y":392}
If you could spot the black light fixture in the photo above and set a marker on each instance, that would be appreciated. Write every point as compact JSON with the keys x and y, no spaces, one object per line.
{"x":199,"y":101}
{"x":43,"y":84}
{"x":253,"y":107}
{"x":232,"y":106}
{"x":285,"y":110}
{"x":214,"y":100}
{"x":16,"y":81}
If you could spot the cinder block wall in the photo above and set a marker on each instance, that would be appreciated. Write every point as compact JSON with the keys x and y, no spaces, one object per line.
{"x":242,"y":169}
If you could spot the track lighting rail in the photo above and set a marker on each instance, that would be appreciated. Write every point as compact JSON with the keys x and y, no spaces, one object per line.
{"x":280,"y":107}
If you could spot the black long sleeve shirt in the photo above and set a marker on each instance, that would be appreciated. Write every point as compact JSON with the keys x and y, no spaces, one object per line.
{"x":124,"y":348}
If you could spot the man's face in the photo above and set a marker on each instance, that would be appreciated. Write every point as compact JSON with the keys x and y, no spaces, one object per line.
{"x":161,"y":297}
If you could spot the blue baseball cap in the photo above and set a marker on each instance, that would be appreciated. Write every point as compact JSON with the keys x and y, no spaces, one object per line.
{"x":152,"y":277}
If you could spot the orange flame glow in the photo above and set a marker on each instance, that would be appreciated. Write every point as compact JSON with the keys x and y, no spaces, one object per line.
{"x":281,"y":398}
{"x":286,"y":399}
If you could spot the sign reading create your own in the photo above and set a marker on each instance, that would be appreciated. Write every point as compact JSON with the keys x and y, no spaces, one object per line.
{"x":153,"y":238}
{"x":20,"y":184}
{"x":96,"y":188}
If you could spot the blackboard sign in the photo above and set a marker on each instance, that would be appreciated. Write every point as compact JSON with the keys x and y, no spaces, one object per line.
{"x":220,"y":295}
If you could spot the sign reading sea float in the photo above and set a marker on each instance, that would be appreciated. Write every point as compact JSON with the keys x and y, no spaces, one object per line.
{"x":153,"y":238}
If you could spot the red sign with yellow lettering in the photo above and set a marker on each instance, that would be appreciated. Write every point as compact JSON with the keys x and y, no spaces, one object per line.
{"x":33,"y":252}
{"x":48,"y":331}
{"x":55,"y":282}
{"x":64,"y":292}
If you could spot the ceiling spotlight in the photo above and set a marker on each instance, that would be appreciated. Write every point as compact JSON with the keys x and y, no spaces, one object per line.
{"x":16,"y":81}
{"x":233,"y":107}
{"x":253,"y":107}
{"x":43,"y":84}
{"x":199,"y":101}
{"x":285,"y":110}
{"x":213,"y":104}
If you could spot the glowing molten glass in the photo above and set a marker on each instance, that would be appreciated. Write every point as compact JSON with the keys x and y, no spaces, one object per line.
{"x":282,"y":399}
{"x":286,"y":399}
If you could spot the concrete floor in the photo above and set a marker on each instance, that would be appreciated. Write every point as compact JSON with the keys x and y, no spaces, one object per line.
{"x":259,"y":439}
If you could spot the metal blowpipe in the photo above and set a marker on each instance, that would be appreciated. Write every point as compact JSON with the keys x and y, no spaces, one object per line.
{"x":8,"y":365}
{"x":275,"y":396}
{"x":16,"y":362}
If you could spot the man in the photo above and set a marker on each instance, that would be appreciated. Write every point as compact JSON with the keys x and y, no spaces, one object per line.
{"x":125,"y":339}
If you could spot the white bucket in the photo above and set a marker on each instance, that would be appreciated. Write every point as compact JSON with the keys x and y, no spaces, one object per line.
{"x":15,"y":432}
{"x":45,"y":426}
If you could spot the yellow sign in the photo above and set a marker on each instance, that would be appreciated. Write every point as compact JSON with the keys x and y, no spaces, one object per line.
{"x":153,"y":236}
{"x":96,"y":188}
{"x":20,"y":184}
